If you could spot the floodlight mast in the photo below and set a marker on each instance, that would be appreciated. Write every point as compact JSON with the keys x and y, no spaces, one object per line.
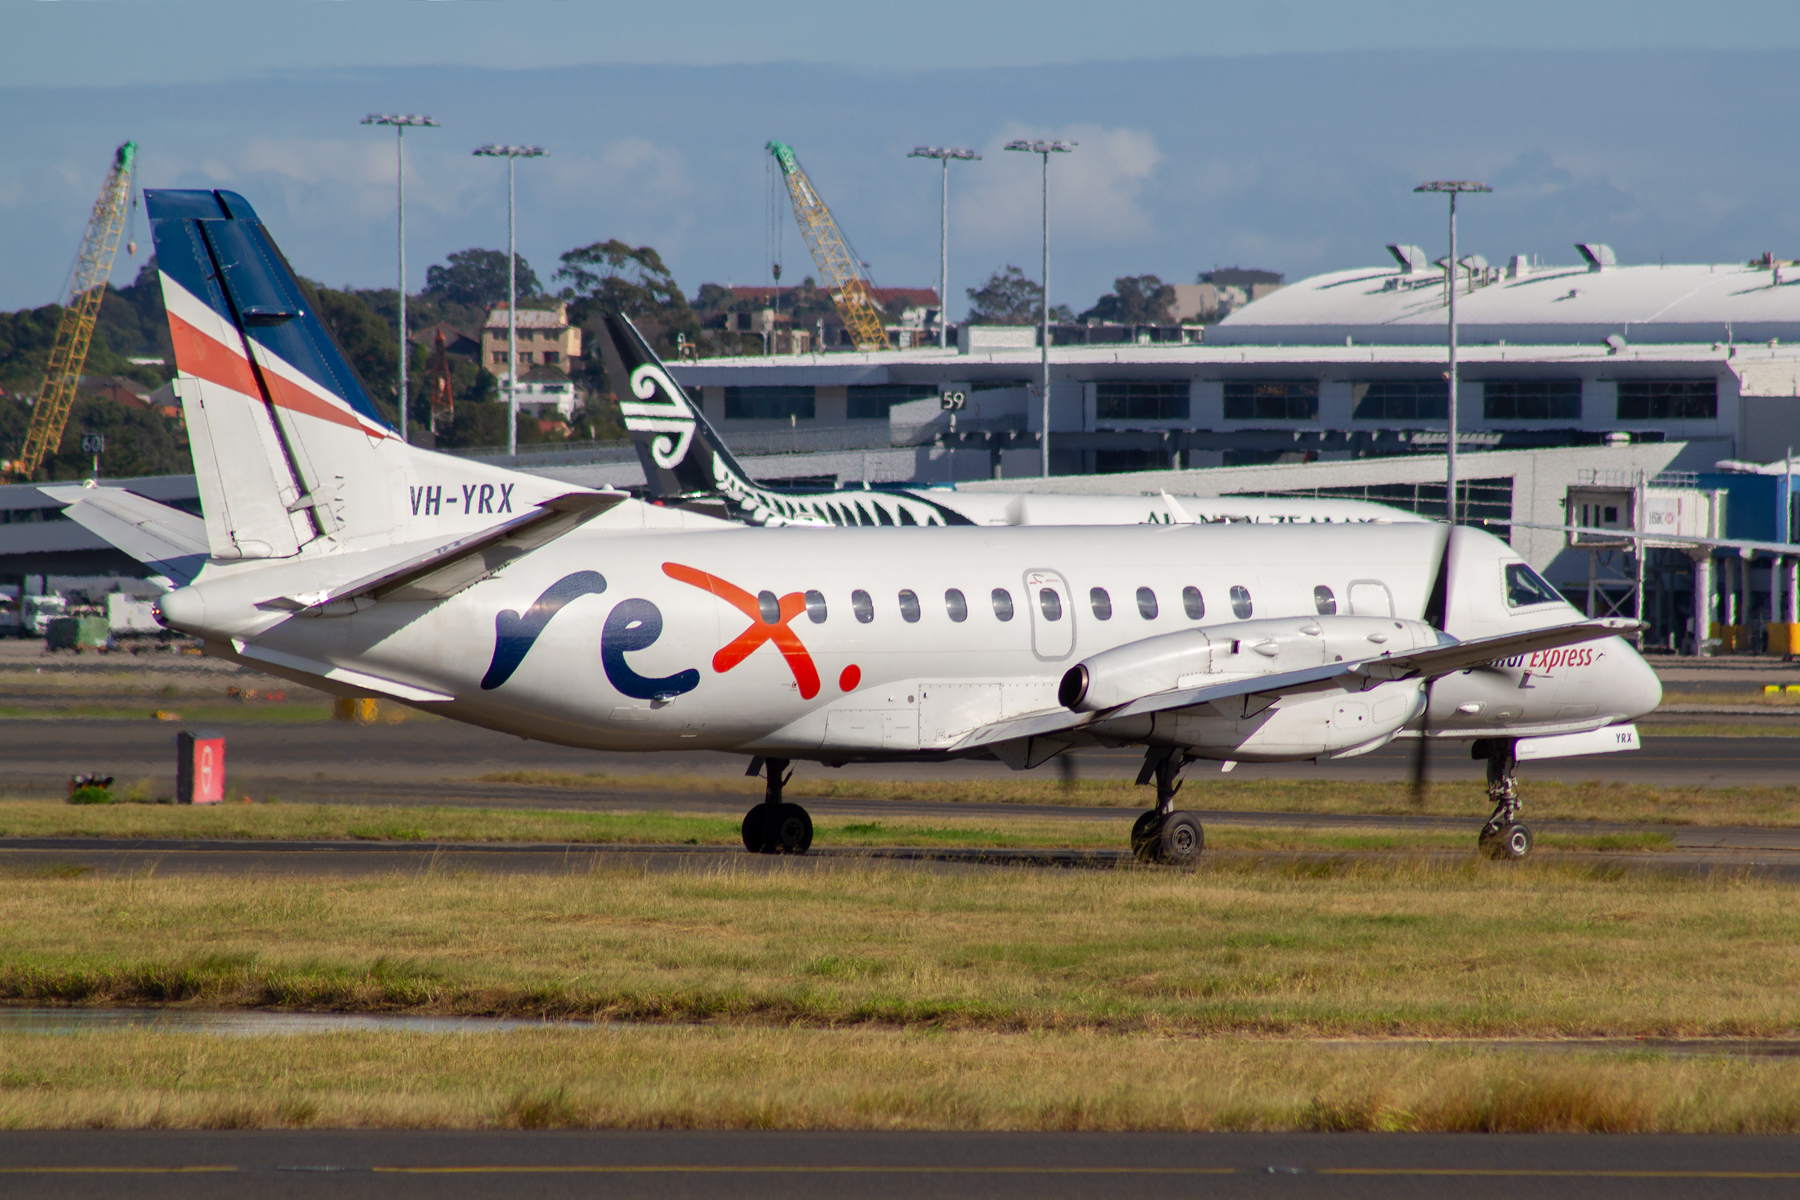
{"x":1453,"y":187}
{"x":511,"y":154}
{"x":944,"y":156}
{"x":1046,"y":149}
{"x":400,"y":122}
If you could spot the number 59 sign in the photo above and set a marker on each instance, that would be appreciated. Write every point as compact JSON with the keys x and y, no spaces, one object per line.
{"x":953,"y":401}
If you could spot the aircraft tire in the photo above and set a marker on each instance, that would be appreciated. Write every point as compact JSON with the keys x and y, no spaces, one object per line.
{"x":756,"y":830}
{"x":789,"y":831}
{"x":1145,"y":832}
{"x":1509,"y":843}
{"x":1180,"y":841}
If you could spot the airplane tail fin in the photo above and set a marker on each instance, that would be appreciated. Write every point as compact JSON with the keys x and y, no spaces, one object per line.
{"x":290,"y":452}
{"x":682,"y":455}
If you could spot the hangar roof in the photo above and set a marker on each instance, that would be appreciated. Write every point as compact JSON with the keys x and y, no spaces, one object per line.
{"x":1678,"y":303}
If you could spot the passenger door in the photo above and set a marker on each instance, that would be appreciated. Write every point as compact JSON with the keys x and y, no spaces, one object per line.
{"x":1052,"y":616}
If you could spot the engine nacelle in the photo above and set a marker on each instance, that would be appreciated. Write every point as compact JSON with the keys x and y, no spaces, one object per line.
{"x":1220,"y":653}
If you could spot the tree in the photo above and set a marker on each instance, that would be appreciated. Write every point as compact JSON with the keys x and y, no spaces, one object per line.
{"x":1009,"y":298}
{"x":1135,"y":300}
{"x":615,"y":277}
{"x":478,"y":277}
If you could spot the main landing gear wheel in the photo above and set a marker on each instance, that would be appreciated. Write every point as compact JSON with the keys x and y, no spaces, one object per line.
{"x":775,"y":826}
{"x":1511,"y":841}
{"x":1163,"y":835}
{"x":1503,"y":837}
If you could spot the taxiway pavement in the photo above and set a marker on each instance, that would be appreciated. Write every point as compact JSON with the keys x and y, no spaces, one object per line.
{"x":548,"y":1165}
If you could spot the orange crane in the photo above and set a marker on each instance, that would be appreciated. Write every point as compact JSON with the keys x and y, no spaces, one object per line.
{"x":844,"y":279}
{"x":75,"y":331}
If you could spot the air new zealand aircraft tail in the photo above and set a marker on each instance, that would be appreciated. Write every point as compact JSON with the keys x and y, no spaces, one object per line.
{"x":685,"y":459}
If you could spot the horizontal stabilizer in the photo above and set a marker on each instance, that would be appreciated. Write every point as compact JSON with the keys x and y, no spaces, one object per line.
{"x":445,"y":570}
{"x":167,"y":540}
{"x":1418,"y":664}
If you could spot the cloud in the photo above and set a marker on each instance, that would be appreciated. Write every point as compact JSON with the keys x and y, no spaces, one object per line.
{"x":1096,"y":191}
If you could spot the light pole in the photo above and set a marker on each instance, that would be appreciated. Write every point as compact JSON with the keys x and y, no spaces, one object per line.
{"x":400,"y":121}
{"x":512,"y":154}
{"x":1452,"y":187}
{"x":944,"y":156}
{"x":1046,"y":149}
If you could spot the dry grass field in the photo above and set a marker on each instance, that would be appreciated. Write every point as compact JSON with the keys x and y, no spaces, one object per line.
{"x":857,"y":995}
{"x":868,"y":1078}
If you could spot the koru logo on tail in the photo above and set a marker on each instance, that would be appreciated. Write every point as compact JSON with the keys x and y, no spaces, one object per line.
{"x":659,"y":409}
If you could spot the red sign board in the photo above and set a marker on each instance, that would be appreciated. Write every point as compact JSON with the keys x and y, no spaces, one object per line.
{"x":200,"y":771}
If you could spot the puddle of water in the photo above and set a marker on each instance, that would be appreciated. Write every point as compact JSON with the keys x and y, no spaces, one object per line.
{"x":253,"y":1023}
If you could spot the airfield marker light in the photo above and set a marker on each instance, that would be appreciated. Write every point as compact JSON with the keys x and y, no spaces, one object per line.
{"x":1046,"y":149}
{"x":1453,"y":188}
{"x":400,"y":122}
{"x":944,"y":156}
{"x":512,"y":154}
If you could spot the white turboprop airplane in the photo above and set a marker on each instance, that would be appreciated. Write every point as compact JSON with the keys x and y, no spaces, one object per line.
{"x":687,"y":464}
{"x":334,"y":554}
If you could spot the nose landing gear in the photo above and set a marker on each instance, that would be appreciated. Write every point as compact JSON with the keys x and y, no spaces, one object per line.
{"x":775,"y":826}
{"x":1504,"y":836}
{"x":1163,"y":835}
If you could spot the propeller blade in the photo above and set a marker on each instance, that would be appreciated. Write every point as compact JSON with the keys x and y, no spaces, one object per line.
{"x":1437,"y":608}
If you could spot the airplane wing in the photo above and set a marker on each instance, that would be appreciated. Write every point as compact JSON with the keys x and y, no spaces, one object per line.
{"x":167,"y":540}
{"x":445,"y":570}
{"x":1417,"y":664}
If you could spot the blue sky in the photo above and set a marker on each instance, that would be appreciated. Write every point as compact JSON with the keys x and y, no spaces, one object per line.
{"x":1282,"y":134}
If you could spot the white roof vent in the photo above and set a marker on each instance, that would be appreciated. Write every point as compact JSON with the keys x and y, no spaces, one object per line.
{"x":1519,"y":267}
{"x":1614,"y":343}
{"x":1411,"y":258}
{"x":1598,"y":257}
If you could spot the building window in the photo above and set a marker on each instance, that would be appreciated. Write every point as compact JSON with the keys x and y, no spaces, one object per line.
{"x":1141,"y":400}
{"x":1112,"y":462}
{"x":550,"y":358}
{"x":871,"y":402}
{"x":1273,"y":400}
{"x":1400,"y":400}
{"x":768,"y":403}
{"x":524,"y":358}
{"x":1531,"y":399}
{"x":500,"y":358}
{"x":1668,"y":399}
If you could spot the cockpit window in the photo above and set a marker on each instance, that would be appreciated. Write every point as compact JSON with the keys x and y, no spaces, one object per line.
{"x":1525,"y":587}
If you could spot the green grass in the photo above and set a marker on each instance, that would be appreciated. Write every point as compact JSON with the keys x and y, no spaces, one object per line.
{"x":26,"y":818}
{"x":212,"y":713}
{"x":1329,"y":947}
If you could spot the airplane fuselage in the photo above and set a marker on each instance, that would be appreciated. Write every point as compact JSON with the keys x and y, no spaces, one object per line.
{"x":844,"y":644}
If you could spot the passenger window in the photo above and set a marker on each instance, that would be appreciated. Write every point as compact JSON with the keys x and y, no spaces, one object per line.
{"x":1146,"y":604}
{"x":1003,"y":604}
{"x":955,"y":605}
{"x":862,"y":606}
{"x":769,"y":607}
{"x":1525,"y":586}
{"x":1193,"y":603}
{"x":1102,"y":604}
{"x":1240,"y":602}
{"x":815,"y":607}
{"x":1324,"y":601}
{"x":1051,"y":603}
{"x":909,"y":604}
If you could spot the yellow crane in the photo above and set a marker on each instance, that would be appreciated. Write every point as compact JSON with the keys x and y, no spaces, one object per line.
{"x":75,"y":331}
{"x":849,"y":287}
